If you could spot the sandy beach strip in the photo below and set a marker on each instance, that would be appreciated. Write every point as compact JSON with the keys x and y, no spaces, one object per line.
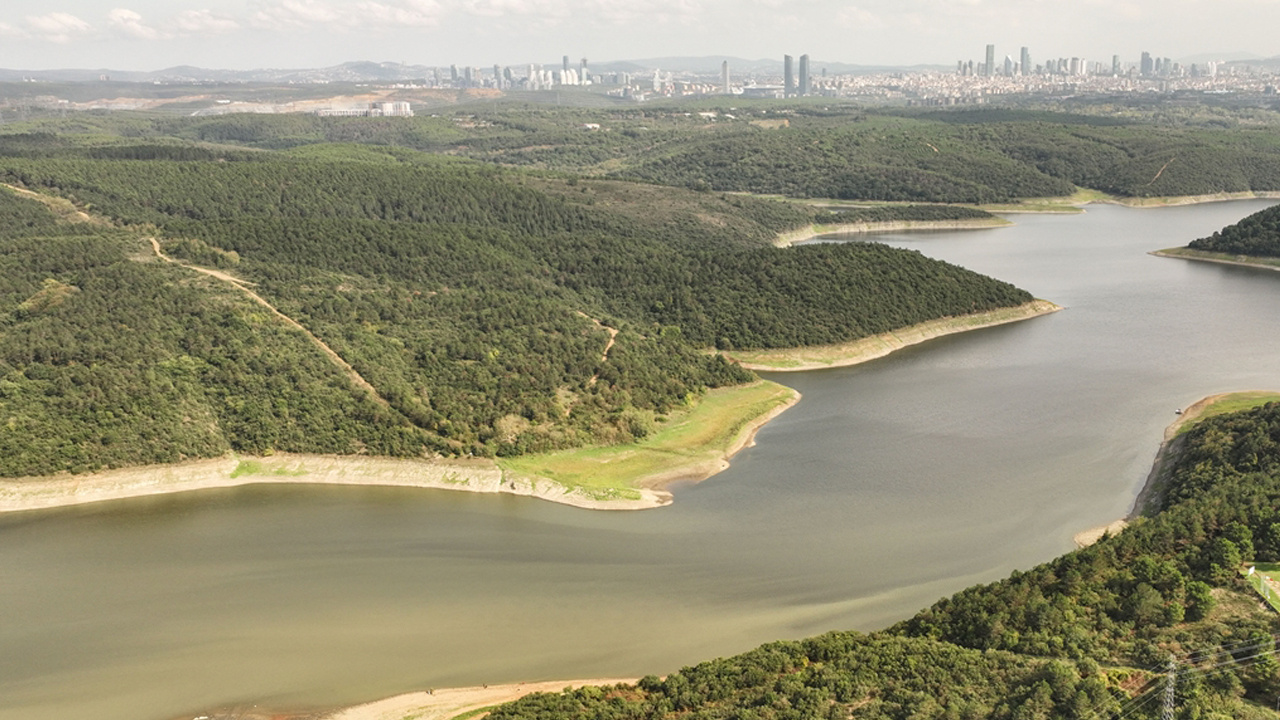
{"x":481,"y":476}
{"x":818,"y":357}
{"x":788,"y":239}
{"x":450,"y":703}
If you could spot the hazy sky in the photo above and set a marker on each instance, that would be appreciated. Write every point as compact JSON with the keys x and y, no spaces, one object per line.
{"x":245,"y":34}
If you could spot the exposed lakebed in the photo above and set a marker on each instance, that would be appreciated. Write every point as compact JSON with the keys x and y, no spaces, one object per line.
{"x":890,"y":484}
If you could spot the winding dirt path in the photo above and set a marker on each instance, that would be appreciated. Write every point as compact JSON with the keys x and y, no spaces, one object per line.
{"x":613,"y":337}
{"x":243,"y":287}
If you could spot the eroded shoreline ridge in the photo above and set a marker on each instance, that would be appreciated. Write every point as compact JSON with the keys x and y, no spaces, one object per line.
{"x":877,"y":346}
{"x":1167,"y":455}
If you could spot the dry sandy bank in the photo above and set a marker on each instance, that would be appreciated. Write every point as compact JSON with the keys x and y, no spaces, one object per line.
{"x":859,"y":351}
{"x":1175,"y":200}
{"x":788,"y":239}
{"x":481,"y":476}
{"x":1242,"y":260}
{"x":450,"y":703}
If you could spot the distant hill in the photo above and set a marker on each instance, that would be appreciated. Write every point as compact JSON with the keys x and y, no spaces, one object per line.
{"x":368,"y":71}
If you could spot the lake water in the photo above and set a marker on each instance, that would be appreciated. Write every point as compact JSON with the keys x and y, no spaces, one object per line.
{"x":890,"y":485}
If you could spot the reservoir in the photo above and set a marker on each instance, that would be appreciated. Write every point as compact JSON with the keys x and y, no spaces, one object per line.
{"x":890,"y":485}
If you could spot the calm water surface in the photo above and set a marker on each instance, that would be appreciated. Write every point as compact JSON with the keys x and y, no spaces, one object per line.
{"x":890,"y":485}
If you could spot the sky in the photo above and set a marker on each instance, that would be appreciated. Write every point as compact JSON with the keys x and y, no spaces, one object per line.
{"x":249,"y":34}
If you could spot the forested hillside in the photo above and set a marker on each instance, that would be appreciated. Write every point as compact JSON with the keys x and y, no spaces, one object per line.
{"x":478,"y":302}
{"x":1257,"y":235}
{"x":1084,"y":636}
{"x":109,"y":361}
{"x":803,"y":150}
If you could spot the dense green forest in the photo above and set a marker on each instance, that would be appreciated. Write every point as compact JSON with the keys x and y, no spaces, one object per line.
{"x":476,"y":301}
{"x":1258,"y":235}
{"x":1083,"y":636}
{"x":842,"y":151}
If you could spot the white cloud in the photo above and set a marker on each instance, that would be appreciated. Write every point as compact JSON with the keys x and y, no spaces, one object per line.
{"x":859,"y":19}
{"x":58,"y":27}
{"x":130,"y":23}
{"x":202,"y":22}
{"x":7,"y":30}
{"x":295,"y":14}
{"x":416,"y":13}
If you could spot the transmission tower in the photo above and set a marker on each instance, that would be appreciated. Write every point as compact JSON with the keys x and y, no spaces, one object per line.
{"x":1166,"y":712}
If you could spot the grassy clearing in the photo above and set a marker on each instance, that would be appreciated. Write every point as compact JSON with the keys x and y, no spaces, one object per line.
{"x":869,"y":348}
{"x":258,"y":467}
{"x":1223,"y":404}
{"x":1262,"y":580}
{"x":691,"y":444}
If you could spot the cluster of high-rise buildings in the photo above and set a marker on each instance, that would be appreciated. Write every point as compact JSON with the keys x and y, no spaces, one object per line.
{"x":536,"y":77}
{"x":1148,"y":67}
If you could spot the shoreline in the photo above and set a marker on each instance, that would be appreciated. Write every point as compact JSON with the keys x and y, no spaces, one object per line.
{"x":1180,"y":200}
{"x":445,"y":704}
{"x":697,"y":472}
{"x":689,"y":449}
{"x":479,"y":476}
{"x":819,"y":357}
{"x":1170,"y":446}
{"x":1184,"y":253}
{"x":787,"y":239}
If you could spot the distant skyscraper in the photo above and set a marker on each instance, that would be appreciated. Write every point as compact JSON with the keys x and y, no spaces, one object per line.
{"x":991,"y":61}
{"x":453,"y":74}
{"x":1115,"y":65}
{"x":788,"y":77}
{"x":469,"y":76}
{"x":804,"y":75}
{"x":582,"y":72}
{"x":565,"y":67}
{"x":497,"y":76}
{"x":724,"y":77}
{"x":1008,"y":66}
{"x":1026,"y":61}
{"x":1147,"y":67}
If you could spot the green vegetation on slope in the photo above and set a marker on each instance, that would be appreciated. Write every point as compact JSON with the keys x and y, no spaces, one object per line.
{"x":1257,"y":235}
{"x":1083,"y":636}
{"x":478,"y":302}
{"x":107,"y":361}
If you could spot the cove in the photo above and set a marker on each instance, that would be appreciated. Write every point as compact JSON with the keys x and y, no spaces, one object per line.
{"x":890,"y":485}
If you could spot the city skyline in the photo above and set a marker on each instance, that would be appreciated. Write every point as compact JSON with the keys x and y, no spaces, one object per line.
{"x":249,"y":34}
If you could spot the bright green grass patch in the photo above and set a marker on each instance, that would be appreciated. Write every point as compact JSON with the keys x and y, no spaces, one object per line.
{"x":698,"y":438}
{"x":1262,"y":572}
{"x":1234,"y":402}
{"x":257,"y":467}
